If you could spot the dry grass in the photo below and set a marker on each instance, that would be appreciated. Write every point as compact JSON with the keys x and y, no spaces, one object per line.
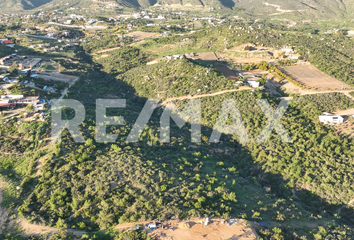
{"x":311,"y":77}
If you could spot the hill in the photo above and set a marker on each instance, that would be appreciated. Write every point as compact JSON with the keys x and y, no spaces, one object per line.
{"x":326,"y":8}
{"x":304,"y":189}
{"x":18,"y":5}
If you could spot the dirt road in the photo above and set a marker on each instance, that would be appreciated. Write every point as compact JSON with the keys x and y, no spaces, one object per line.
{"x":106,"y":50}
{"x":164,"y":103}
{"x":347,"y":112}
{"x":11,"y":113}
{"x":34,"y":229}
{"x":65,"y":91}
{"x":344,"y":92}
{"x":278,"y":8}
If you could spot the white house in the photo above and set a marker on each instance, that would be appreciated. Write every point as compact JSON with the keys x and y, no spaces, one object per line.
{"x":152,"y":225}
{"x":253,"y":84}
{"x":287,"y":49}
{"x":331,"y":119}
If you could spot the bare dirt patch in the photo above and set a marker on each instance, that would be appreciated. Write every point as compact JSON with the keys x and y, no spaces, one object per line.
{"x":154,"y":61}
{"x":248,"y":56}
{"x":346,"y":128}
{"x":58,"y":77}
{"x":33,"y":229}
{"x":311,"y":77}
{"x":250,"y":53}
{"x":140,"y":35}
{"x":5,"y":88}
{"x":205,"y":56}
{"x":273,"y":87}
{"x":194,"y":230}
{"x":348,"y":112}
{"x":229,"y":74}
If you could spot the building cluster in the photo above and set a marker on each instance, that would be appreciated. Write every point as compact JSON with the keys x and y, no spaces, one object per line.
{"x":6,"y":101}
{"x":252,"y":80}
{"x":7,"y":42}
{"x":211,"y":20}
{"x":25,"y":64}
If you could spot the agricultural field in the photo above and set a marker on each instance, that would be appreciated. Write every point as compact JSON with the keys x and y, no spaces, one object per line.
{"x":311,"y":77}
{"x":229,"y":74}
{"x":247,"y":57}
{"x":138,"y":35}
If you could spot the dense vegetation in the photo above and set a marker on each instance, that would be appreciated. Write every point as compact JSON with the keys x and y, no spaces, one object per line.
{"x":105,"y":42}
{"x":94,"y":186}
{"x":175,"y":78}
{"x":122,"y":60}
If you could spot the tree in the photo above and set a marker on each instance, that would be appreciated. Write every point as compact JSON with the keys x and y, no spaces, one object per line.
{"x":14,"y":68}
{"x":29,"y":108}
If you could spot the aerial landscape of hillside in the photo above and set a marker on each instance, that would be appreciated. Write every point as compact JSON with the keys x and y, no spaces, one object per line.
{"x":176,"y":119}
{"x":308,"y":8}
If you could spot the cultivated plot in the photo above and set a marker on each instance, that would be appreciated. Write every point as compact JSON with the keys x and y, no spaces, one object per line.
{"x":311,"y":77}
{"x":140,"y":35}
{"x":229,"y":74}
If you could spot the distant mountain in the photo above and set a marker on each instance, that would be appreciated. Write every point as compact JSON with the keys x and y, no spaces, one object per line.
{"x":17,"y":5}
{"x":323,"y":8}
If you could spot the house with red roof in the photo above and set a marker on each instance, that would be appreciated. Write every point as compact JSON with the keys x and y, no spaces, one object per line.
{"x":7,"y":42}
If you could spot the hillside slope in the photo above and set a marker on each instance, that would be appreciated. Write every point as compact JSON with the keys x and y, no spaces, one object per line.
{"x":325,"y":8}
{"x":17,"y":5}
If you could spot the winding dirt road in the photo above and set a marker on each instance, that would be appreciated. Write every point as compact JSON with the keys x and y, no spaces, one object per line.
{"x":278,"y":8}
{"x":164,"y":103}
